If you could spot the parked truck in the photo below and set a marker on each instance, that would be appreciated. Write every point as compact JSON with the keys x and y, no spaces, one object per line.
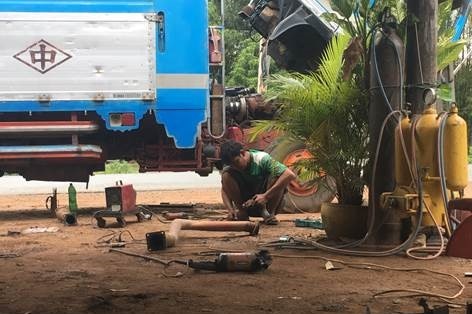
{"x":83,"y":82}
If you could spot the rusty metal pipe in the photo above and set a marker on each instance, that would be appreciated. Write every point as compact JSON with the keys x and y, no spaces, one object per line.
{"x":66,"y":217}
{"x":172,"y":236}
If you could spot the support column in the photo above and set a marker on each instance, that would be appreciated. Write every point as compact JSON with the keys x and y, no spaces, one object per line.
{"x":421,"y":50}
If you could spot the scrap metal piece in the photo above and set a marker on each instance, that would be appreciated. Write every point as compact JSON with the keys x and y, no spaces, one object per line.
{"x":436,"y":310}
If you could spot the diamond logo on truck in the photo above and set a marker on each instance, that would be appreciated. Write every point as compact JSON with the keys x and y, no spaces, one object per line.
{"x":42,"y":56}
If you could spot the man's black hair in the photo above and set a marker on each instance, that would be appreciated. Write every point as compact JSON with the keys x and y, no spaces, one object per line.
{"x":229,"y":150}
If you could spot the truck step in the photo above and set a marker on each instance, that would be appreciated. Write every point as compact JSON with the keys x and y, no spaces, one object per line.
{"x":50,"y":151}
{"x":46,"y":128}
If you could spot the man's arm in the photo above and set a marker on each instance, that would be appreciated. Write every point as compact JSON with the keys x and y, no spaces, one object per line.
{"x":228,"y":204}
{"x":280,"y":184}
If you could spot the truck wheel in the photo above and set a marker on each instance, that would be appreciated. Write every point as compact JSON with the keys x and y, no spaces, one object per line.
{"x":301,"y":196}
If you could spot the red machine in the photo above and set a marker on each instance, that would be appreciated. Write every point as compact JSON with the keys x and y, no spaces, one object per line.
{"x":120,"y":201}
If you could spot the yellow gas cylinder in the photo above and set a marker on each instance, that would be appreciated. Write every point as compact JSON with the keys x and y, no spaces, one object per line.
{"x":455,"y":151}
{"x":402,"y":172}
{"x":426,"y":135}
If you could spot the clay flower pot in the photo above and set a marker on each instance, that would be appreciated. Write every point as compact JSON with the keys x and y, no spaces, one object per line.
{"x":344,"y":221}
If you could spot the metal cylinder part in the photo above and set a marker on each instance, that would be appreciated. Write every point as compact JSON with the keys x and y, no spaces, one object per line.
{"x":172,"y":236}
{"x":402,"y":171}
{"x":426,"y":134}
{"x":455,"y":151}
{"x":66,"y":217}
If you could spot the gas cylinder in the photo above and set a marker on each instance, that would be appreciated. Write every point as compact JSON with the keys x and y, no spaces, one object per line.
{"x":386,"y":80}
{"x":426,"y":135}
{"x":426,"y":139}
{"x":455,"y":151}
{"x":402,"y":172}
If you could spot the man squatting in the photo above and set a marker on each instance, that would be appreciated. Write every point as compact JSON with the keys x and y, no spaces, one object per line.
{"x":253,"y":183}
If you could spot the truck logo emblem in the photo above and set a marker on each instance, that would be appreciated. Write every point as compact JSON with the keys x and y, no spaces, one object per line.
{"x":42,"y":56}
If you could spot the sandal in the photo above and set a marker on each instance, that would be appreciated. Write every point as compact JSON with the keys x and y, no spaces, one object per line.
{"x":272,"y":221}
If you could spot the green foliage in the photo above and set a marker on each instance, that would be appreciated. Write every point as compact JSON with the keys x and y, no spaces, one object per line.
{"x":463,"y":86}
{"x":329,"y":115}
{"x":214,"y":14}
{"x":447,"y":50}
{"x":119,"y":166}
{"x":244,"y":68}
{"x":241,"y":48}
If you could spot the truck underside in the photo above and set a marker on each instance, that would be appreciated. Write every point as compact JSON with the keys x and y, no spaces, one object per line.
{"x":65,"y":146}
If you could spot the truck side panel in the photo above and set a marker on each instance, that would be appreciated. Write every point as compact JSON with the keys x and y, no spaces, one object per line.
{"x":164,"y":70}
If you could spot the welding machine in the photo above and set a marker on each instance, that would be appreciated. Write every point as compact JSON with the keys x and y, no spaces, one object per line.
{"x":120,"y":201}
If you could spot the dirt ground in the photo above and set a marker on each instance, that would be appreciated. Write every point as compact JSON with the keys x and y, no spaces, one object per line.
{"x":68,"y":272}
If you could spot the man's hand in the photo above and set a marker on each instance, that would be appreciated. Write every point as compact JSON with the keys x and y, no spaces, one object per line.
{"x":231,"y":216}
{"x":260,"y":199}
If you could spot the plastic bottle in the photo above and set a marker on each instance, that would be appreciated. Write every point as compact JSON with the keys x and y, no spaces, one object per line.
{"x":72,"y":199}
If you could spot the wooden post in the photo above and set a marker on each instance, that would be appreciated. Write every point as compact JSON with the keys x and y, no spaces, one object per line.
{"x":421,"y":50}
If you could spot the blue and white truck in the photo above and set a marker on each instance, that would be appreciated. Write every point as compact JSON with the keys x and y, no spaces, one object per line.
{"x":85,"y":81}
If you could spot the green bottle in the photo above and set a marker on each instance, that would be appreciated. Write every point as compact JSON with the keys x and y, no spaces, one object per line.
{"x":72,"y":199}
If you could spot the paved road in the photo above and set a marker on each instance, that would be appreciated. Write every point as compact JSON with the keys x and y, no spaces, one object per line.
{"x":140,"y":181}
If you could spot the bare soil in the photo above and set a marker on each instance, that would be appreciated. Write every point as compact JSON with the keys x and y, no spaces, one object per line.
{"x":68,"y":272}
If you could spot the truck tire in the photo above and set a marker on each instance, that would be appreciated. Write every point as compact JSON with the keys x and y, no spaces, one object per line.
{"x":301,"y":197}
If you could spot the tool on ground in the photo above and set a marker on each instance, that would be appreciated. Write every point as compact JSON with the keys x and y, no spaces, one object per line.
{"x":120,"y":201}
{"x":233,"y":262}
{"x":51,"y":201}
{"x":309,"y":223}
{"x":161,"y":240}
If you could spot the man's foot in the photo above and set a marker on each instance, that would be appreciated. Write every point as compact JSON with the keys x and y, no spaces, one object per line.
{"x":271,"y":221}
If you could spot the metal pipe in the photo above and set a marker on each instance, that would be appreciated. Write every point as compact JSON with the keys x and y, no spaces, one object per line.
{"x":46,"y":128}
{"x":172,"y":236}
{"x":66,"y":217}
{"x":50,"y":151}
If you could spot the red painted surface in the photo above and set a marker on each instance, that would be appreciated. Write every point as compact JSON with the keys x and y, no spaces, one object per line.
{"x":122,"y":195}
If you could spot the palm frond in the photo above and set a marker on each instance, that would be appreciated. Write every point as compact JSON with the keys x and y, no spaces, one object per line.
{"x":448,"y":51}
{"x":332,"y":61}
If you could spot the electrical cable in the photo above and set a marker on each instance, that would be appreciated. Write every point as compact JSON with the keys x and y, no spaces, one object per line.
{"x":442,"y":173}
{"x":428,"y":249}
{"x":371,"y":266}
{"x":377,"y":73}
{"x":406,"y":243}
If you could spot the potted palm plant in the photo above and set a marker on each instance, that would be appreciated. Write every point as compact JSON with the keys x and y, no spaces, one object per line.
{"x":328,"y":112}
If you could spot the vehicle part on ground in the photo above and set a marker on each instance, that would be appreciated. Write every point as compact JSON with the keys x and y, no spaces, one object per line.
{"x":301,"y":196}
{"x":161,"y":240}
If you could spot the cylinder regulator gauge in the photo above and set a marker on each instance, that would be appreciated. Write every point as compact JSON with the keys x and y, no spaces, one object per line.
{"x":429,"y":96}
